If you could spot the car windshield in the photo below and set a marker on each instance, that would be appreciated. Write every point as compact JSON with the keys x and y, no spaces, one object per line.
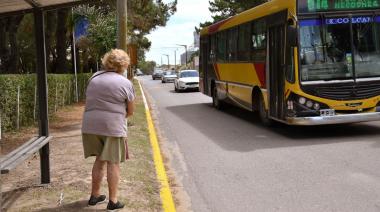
{"x":189,"y":74}
{"x":170,"y":73}
{"x":326,"y":52}
{"x":157,"y":71}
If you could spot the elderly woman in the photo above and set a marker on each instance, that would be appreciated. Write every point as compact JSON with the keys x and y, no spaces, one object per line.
{"x":109,"y":100}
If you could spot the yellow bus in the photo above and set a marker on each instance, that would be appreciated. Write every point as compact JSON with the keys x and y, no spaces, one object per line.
{"x":300,"y":62}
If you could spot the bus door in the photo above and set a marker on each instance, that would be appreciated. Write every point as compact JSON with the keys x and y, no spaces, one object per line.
{"x":276,"y":63}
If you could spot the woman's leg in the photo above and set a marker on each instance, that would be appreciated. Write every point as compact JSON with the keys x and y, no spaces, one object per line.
{"x":113,"y":176}
{"x":97,"y":176}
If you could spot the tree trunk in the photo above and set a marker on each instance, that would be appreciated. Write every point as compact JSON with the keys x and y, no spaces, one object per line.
{"x":78,"y":60}
{"x":61,"y":35}
{"x":85,"y":57}
{"x":14,"y":54}
{"x":49,"y":33}
{"x":3,"y":45}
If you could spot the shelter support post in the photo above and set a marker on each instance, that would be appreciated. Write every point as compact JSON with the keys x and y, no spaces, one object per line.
{"x":42,"y":92}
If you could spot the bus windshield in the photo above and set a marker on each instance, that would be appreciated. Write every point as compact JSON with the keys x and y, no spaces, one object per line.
{"x":326,"y":52}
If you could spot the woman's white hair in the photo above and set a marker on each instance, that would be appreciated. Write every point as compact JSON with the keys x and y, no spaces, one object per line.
{"x":116,"y":60}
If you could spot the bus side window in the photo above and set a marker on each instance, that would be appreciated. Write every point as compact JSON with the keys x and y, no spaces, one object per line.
{"x":222,"y":42}
{"x":259,"y":43}
{"x":244,"y":42}
{"x":232,"y":44}
{"x":212,"y":48}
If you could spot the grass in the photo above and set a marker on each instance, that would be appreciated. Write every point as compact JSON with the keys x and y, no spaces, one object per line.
{"x":140,"y":172}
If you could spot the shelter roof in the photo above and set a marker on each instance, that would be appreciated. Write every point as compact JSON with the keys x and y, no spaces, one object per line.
{"x":13,"y":7}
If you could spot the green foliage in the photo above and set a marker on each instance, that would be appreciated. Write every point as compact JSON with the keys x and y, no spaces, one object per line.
{"x":147,"y":67}
{"x":61,"y":89}
{"x":102,"y":33}
{"x":143,"y":17}
{"x":147,"y":15}
{"x":26,"y":44}
{"x":17,"y":40}
{"x":222,"y":9}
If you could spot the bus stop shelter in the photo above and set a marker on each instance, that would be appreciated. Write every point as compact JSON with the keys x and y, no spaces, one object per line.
{"x":40,"y":143}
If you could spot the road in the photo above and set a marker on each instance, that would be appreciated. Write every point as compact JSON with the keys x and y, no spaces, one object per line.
{"x":227,"y":161}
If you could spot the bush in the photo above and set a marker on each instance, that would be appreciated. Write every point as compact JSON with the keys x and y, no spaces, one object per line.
{"x":61,"y":92}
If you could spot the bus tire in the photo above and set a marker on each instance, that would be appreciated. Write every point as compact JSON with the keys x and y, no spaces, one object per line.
{"x":216,"y":102}
{"x":263,"y":113}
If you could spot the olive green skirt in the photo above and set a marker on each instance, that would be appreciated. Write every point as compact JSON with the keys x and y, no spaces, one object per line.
{"x":112,"y":149}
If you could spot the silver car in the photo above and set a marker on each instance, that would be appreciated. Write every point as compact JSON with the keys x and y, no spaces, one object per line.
{"x":157,"y":74}
{"x":168,"y":76}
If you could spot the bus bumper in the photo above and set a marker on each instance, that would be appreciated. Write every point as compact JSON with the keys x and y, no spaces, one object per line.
{"x":337,"y":119}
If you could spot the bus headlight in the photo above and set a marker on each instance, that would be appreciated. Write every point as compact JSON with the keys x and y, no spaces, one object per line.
{"x":302,"y":100}
{"x":316,"y":106}
{"x":309,"y":104}
{"x":304,"y":107}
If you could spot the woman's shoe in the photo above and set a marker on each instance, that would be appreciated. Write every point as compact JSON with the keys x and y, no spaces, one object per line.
{"x":114,"y":206}
{"x":95,"y":200}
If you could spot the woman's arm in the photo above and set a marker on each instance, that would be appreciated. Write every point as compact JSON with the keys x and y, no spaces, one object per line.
{"x":130,"y":108}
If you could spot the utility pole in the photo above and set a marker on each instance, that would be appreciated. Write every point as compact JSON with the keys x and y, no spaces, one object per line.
{"x":185,"y":52}
{"x":122,"y":29}
{"x":175,"y":60}
{"x":168,"y":60}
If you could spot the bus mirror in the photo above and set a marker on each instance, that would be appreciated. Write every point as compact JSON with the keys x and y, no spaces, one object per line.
{"x":292,"y":36}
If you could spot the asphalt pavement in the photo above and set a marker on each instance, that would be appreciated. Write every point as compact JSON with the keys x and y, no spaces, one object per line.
{"x":227,"y":161}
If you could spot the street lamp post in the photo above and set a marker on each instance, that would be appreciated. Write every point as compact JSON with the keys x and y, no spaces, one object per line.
{"x":175,"y":60}
{"x":168,"y":60}
{"x":185,"y":52}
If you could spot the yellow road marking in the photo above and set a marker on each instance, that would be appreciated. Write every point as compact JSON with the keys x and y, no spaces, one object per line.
{"x":165,"y":193}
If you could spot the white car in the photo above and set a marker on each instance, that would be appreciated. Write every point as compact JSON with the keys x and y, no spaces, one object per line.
{"x":168,"y":76}
{"x":187,"y":80}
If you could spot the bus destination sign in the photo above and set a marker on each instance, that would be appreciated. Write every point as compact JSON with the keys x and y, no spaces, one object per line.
{"x":310,"y":6}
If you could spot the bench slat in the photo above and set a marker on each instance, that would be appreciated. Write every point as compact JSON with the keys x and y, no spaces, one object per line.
{"x":23,"y":154}
{"x":20,"y":151}
{"x":9,"y":155}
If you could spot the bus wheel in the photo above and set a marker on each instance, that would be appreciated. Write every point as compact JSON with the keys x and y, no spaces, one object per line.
{"x":218,"y":104}
{"x":263,"y":113}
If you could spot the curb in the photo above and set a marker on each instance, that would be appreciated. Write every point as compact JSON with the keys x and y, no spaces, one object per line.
{"x":165,"y":192}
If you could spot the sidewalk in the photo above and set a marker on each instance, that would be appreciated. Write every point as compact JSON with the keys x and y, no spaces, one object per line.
{"x":71,"y":173}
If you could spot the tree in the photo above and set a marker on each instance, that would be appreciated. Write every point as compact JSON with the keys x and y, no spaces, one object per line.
{"x":222,"y":9}
{"x":147,"y":67}
{"x":143,"y":17}
{"x":10,"y":55}
{"x":51,"y":19}
{"x":17,"y":40}
{"x":61,"y":35}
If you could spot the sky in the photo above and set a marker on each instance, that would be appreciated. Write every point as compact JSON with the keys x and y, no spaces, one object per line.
{"x":178,"y":30}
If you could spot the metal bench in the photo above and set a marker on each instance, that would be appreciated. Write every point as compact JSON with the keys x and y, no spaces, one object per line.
{"x":12,"y":159}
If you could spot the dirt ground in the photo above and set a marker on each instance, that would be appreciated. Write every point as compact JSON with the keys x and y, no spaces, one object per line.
{"x":71,"y":173}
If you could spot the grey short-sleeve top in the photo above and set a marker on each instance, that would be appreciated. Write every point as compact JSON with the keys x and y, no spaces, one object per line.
{"x":107,"y":95}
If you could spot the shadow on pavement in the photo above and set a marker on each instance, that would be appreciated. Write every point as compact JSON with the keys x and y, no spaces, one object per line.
{"x":227,"y":129}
